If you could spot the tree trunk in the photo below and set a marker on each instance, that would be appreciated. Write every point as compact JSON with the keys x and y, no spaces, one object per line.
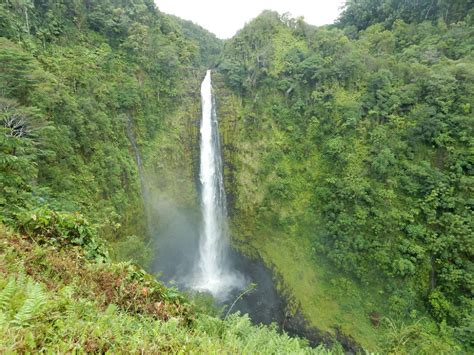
{"x":429,"y":9}
{"x":432,"y":274}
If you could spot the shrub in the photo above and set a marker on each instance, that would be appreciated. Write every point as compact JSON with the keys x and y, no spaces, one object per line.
{"x":61,"y":229}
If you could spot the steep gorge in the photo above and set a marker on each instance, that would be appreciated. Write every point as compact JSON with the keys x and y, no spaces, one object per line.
{"x":346,"y":154}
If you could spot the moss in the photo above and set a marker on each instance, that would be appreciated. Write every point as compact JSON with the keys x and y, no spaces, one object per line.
{"x":330,"y":301}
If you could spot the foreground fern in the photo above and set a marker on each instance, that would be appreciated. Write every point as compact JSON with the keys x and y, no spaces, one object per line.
{"x":34,"y":304}
{"x":56,"y":300}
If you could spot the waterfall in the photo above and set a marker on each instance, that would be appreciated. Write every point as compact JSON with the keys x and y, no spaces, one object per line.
{"x":138,"y":158}
{"x":213,"y":274}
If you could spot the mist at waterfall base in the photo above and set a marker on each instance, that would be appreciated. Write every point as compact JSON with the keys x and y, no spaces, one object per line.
{"x":177,"y":256}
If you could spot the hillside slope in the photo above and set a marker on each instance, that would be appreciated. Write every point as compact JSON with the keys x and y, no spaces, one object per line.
{"x":352,"y":149}
{"x":62,"y":295}
{"x":87,"y":91}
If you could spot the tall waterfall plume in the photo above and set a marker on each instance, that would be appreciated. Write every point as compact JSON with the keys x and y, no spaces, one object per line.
{"x":214,"y":274}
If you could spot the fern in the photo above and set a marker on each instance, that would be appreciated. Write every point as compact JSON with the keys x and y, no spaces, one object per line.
{"x":21,"y":281}
{"x":34,"y":303}
{"x":3,"y":319}
{"x":7,"y":293}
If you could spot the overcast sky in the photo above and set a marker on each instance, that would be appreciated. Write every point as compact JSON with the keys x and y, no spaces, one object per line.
{"x":225,"y":17}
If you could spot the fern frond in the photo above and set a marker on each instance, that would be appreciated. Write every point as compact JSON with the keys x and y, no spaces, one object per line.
{"x":3,"y":319}
{"x":7,"y":293}
{"x":21,"y":281}
{"x":35,"y":300}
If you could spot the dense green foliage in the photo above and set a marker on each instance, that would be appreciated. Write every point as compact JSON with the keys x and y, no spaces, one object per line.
{"x":364,"y":146}
{"x":350,"y":146}
{"x":209,"y":48}
{"x":363,"y":13}
{"x":78,"y":82}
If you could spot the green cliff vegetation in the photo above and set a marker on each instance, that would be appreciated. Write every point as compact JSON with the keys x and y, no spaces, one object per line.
{"x":348,"y":164}
{"x":87,"y":90}
{"x":84,"y":88}
{"x":349,"y":151}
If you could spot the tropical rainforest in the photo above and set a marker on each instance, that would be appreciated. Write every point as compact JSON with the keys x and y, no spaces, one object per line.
{"x":348,"y":156}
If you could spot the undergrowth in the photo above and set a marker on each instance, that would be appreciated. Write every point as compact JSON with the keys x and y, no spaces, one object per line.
{"x":54,"y":298}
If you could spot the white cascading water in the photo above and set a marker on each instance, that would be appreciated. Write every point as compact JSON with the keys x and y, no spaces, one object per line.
{"x":213,"y":274}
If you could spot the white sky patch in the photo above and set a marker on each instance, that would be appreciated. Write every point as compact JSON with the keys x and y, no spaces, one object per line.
{"x":224,"y":18}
